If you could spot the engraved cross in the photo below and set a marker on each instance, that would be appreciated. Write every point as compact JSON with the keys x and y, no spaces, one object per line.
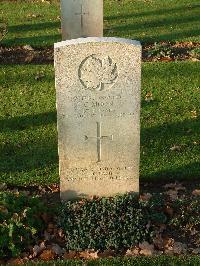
{"x":99,"y":139}
{"x":82,"y":14}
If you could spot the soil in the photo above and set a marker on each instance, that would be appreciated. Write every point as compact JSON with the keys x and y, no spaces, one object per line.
{"x":164,"y":51}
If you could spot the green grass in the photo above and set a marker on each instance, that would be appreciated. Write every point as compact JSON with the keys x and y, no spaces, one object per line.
{"x":28,"y":139}
{"x":137,"y":261}
{"x":38,"y":24}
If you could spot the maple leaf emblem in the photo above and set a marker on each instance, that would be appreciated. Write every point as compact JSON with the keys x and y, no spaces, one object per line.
{"x":97,"y":74}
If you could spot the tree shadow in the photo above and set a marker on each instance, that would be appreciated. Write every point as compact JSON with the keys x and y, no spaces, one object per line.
{"x":39,"y":156}
{"x":32,"y":152}
{"x":170,"y":163}
{"x":152,"y":12}
{"x":142,"y":25}
{"x":33,"y":27}
{"x":156,"y":23}
{"x":24,"y":122}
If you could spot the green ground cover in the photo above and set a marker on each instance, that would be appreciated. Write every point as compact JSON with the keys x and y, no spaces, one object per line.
{"x":138,"y":261}
{"x":169,"y":126}
{"x":37,"y":23}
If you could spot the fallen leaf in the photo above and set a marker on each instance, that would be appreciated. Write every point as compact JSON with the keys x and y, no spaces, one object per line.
{"x":47,"y":255}
{"x":39,"y":76}
{"x":145,"y":197}
{"x":149,"y":97}
{"x":57,"y":249}
{"x":175,"y":148}
{"x":3,"y":186}
{"x":179,"y":248}
{"x":176,"y":186}
{"x":134,"y":251}
{"x":196,"y":192}
{"x":3,"y":209}
{"x":28,"y":47}
{"x":109,"y":253}
{"x":168,"y":210}
{"x":168,"y":242}
{"x":37,"y":249}
{"x":173,"y":194}
{"x":13,"y":261}
{"x":194,"y":114}
{"x":70,"y":255}
{"x":196,"y":251}
{"x":158,"y":242}
{"x":166,"y":59}
{"x":89,"y":254}
{"x":146,"y":249}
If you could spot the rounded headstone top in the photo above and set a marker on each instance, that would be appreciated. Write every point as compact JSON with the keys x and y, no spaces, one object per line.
{"x":97,"y":39}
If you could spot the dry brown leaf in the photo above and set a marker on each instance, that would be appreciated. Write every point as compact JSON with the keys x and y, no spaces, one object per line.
{"x":109,"y":253}
{"x":173,"y":194}
{"x":70,"y":255}
{"x":179,"y":248}
{"x":28,"y":47}
{"x":168,"y":210}
{"x":13,"y":261}
{"x":148,"y":97}
{"x":134,"y":251}
{"x":176,"y":186}
{"x":194,"y":114}
{"x":89,"y":254}
{"x":175,"y":148}
{"x":168,"y":242}
{"x":158,"y":242}
{"x":166,"y":59}
{"x":196,"y":251}
{"x":145,"y":197}
{"x":57,"y":249}
{"x":196,"y":192}
{"x":146,"y":249}
{"x":47,"y":254}
{"x":3,"y":209}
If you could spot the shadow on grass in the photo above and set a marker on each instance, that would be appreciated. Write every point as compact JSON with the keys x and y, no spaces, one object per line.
{"x":35,"y":40}
{"x":172,"y":24}
{"x":190,"y":171}
{"x":34,"y":27}
{"x":158,"y":23}
{"x":36,"y":153}
{"x":181,"y":162}
{"x":27,"y":121}
{"x":135,"y":30}
{"x":153,"y":12}
{"x":39,"y":155}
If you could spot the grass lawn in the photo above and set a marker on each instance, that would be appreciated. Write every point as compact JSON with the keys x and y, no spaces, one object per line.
{"x":28,"y":138}
{"x":138,"y":261}
{"x":37,"y":23}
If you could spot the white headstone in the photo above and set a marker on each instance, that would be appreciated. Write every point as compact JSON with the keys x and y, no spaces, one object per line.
{"x":98,"y":109}
{"x":81,"y":18}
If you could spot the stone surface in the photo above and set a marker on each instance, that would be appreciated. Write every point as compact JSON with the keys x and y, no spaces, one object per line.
{"x":81,"y":18}
{"x":98,"y":110}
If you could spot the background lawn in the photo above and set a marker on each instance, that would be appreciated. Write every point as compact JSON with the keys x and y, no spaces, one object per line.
{"x":28,"y":139}
{"x":37,"y":23}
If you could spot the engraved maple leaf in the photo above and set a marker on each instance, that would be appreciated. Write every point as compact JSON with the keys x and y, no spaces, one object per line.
{"x":95,"y":73}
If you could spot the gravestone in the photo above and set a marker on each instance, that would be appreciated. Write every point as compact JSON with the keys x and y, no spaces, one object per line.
{"x":98,"y":111}
{"x":81,"y":18}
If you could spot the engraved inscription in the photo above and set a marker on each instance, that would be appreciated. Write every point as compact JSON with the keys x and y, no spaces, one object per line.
{"x":101,"y":173}
{"x":96,"y":73}
{"x":99,"y":138}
